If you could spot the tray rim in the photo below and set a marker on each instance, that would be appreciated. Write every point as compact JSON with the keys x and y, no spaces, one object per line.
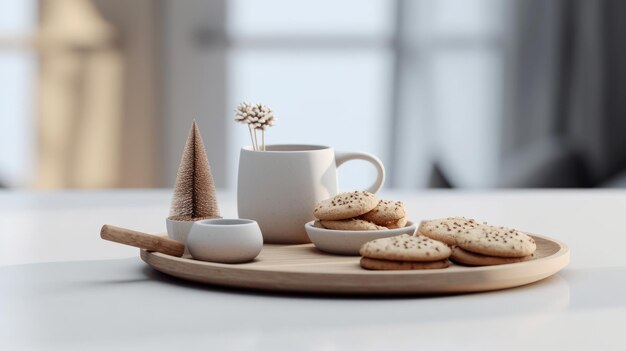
{"x":563,"y":250}
{"x":556,"y":261}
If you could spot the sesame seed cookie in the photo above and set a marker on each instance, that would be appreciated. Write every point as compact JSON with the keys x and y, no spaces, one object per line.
{"x":447,"y":229}
{"x":406,"y":248}
{"x":497,"y":241}
{"x":351,"y":224}
{"x":473,"y":259}
{"x":345,"y":205}
{"x":386,"y":211}
{"x":396,"y":223}
{"x":385,"y":265}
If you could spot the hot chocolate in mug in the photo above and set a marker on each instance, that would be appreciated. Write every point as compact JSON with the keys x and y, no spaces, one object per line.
{"x":279,"y":187}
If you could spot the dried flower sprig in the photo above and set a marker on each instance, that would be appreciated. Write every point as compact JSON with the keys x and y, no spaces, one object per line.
{"x":257,"y":117}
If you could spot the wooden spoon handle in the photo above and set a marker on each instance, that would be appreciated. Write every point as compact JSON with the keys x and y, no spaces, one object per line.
{"x":142,"y":240}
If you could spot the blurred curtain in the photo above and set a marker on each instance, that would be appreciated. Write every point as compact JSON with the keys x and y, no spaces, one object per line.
{"x":99,"y":88}
{"x":566,"y":120}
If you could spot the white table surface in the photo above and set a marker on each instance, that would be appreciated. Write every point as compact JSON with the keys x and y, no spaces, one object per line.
{"x":62,"y":287}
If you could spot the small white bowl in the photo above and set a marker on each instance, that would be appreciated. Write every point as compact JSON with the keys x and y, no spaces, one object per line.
{"x":225,"y":240}
{"x":349,"y":242}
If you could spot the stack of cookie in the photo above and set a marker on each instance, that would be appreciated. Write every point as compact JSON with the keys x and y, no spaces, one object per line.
{"x":405,"y":252}
{"x":389,"y":214}
{"x":359,"y":210}
{"x":479,"y":244}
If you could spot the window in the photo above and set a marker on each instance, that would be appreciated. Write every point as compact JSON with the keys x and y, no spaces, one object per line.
{"x":449,"y":100}
{"x":325,"y":72}
{"x":17,"y":69}
{"x":409,"y":81}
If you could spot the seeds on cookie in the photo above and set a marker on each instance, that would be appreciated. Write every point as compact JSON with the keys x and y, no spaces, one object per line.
{"x":396,"y":223}
{"x":345,"y":205}
{"x":406,"y":248}
{"x":447,"y":229}
{"x":385,"y":212}
{"x":497,"y":241}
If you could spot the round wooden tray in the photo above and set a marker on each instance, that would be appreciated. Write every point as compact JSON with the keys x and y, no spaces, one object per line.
{"x":305,"y":269}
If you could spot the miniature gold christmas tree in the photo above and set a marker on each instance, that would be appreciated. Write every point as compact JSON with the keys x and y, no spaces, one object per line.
{"x":194,"y":191}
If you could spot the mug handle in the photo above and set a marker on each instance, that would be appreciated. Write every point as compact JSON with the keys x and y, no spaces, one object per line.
{"x":342,"y":157}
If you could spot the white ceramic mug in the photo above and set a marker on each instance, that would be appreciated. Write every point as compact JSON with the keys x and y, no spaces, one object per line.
{"x":279,"y":187}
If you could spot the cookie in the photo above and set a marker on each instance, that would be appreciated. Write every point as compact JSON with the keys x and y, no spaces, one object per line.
{"x":396,"y":223}
{"x":385,"y":212}
{"x":385,"y":265}
{"x":317,"y":224}
{"x":406,"y":248}
{"x":447,"y":229}
{"x":345,"y":205}
{"x":473,"y":259}
{"x":496,"y":241}
{"x":351,"y":224}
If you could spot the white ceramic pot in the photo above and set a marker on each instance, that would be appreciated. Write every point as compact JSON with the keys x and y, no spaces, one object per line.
{"x":279,"y":187}
{"x":178,"y":230}
{"x":225,"y":240}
